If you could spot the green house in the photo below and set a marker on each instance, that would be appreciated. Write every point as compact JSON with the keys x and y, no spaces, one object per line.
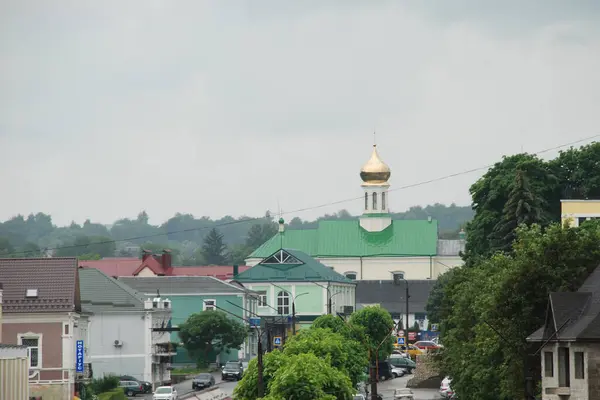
{"x":193,"y":294}
{"x":290,"y":283}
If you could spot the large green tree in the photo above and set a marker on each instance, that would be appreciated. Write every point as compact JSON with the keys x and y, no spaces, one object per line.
{"x":488,"y":310}
{"x":214,"y":250}
{"x":211,"y":330}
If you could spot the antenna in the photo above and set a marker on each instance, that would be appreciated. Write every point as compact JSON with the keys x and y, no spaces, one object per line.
{"x":374,"y":138}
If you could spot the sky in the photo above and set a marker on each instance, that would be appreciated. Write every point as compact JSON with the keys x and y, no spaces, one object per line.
{"x":233,"y":108}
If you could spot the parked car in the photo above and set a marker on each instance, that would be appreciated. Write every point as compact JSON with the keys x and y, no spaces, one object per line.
{"x":131,"y":388}
{"x":165,"y":393}
{"x":232,"y":371}
{"x":406,"y":363}
{"x":426,"y":345}
{"x":411,"y":350}
{"x":203,"y":381}
{"x":146,"y":385}
{"x":384,"y":370}
{"x":404,"y":393}
{"x":397,"y":372}
{"x":445,"y":390}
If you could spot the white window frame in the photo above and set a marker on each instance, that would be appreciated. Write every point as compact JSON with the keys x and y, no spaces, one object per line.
{"x":262,"y":298}
{"x":31,"y":335}
{"x":209,"y":306}
{"x":283,"y":296}
{"x":351,"y":273}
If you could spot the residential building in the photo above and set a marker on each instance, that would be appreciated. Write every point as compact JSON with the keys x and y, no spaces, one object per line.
{"x":155,"y":265}
{"x":42,"y":310}
{"x":575,"y":212}
{"x":122,"y":339}
{"x":291,"y":284}
{"x":192,"y":294}
{"x":374,"y":247}
{"x":392,"y":296}
{"x":570,"y":340}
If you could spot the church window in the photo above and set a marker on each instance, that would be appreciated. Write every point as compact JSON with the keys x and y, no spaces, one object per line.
{"x":283,"y":303}
{"x":374,"y":201}
{"x":398,"y":277}
{"x":383,"y":201}
{"x":366,"y":201}
{"x":350,"y":275}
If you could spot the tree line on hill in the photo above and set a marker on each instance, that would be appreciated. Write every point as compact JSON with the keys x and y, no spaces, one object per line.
{"x":193,"y":241}
{"x":517,"y":253}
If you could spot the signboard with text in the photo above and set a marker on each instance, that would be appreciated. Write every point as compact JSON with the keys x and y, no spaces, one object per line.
{"x":412,"y":336}
{"x":79,"y":356}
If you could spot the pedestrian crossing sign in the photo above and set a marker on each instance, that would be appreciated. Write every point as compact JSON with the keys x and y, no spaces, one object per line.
{"x":400,"y":340}
{"x":277,"y":340}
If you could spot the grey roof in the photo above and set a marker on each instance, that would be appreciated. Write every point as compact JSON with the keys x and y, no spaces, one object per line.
{"x":575,"y":315}
{"x":100,"y":292}
{"x":169,"y":285}
{"x":392,"y":297}
{"x":55,"y":280}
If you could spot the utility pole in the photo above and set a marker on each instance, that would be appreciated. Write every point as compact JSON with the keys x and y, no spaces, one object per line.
{"x":407,"y":297}
{"x":259,"y":363}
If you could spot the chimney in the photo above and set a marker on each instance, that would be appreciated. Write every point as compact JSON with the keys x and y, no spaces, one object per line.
{"x":236,"y":271}
{"x":145,"y":254}
{"x":166,"y":261}
{"x":0,"y":312}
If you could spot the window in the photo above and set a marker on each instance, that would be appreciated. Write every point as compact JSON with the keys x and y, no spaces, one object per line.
{"x":420,"y":317}
{"x":209,"y":305}
{"x":283,"y":303}
{"x":564,"y":367}
{"x":383,"y":201}
{"x":548,"y":364}
{"x":398,"y":277}
{"x":350,"y":275}
{"x":579,"y":365}
{"x":262,"y":298}
{"x":66,"y":326}
{"x":366,"y":201}
{"x":374,"y":201}
{"x":33,"y":343}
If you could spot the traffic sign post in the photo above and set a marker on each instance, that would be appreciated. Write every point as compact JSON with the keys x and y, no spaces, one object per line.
{"x":277,"y":340}
{"x":79,"y":356}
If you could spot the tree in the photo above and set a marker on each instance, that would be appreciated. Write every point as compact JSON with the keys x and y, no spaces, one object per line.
{"x":508,"y":293}
{"x":213,"y":248}
{"x":211,"y":330}
{"x":522,"y":207}
{"x":259,"y":234}
{"x":6,"y":248}
{"x":376,"y":324}
{"x":247,"y":388}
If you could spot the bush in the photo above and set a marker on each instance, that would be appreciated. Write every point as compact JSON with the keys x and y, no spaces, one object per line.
{"x":106,"y":384}
{"x":115,"y":394}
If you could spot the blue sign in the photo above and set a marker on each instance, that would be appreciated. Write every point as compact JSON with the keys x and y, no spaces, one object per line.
{"x":254,"y":322}
{"x":79,"y":356}
{"x":400,"y":340}
{"x":277,"y":340}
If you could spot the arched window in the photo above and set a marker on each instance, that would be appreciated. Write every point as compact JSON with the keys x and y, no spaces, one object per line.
{"x":366,"y":201}
{"x":383,"y":201}
{"x":283,"y":303}
{"x":374,"y":201}
{"x":350,"y":275}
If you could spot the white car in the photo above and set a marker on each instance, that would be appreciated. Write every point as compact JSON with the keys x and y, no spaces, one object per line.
{"x":445,"y":390}
{"x":165,"y":393}
{"x":405,"y":394}
{"x":397,"y":372}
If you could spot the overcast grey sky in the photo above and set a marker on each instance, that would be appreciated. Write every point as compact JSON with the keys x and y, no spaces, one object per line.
{"x":231,"y":107}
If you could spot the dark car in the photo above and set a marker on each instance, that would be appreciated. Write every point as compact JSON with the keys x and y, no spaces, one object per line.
{"x":146,"y":385}
{"x":406,"y":363}
{"x":203,"y":381}
{"x":131,"y":388}
{"x":384,"y":370}
{"x":232,"y":371}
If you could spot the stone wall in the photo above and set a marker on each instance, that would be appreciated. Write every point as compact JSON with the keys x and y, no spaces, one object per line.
{"x":426,"y":375}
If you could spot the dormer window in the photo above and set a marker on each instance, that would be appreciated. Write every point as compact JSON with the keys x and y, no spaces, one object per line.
{"x":350,"y":275}
{"x":398,"y":277}
{"x":31,"y":293}
{"x":210,"y":305}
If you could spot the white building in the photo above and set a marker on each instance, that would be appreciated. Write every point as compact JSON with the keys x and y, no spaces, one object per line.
{"x":123,"y":337}
{"x":374,"y":247}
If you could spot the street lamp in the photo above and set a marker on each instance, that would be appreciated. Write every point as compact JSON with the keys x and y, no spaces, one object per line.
{"x":329,"y":296}
{"x":396,"y":280}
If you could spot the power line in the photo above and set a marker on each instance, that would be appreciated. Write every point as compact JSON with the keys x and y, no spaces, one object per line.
{"x":225,"y":224}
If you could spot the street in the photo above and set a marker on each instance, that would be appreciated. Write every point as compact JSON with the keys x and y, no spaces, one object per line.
{"x":186,"y":387}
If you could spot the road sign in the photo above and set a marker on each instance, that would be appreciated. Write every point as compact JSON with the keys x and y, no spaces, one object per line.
{"x":79,"y":356}
{"x":434,"y":327}
{"x":412,"y":335}
{"x":254,"y":322}
{"x":400,"y":340}
{"x":277,"y":340}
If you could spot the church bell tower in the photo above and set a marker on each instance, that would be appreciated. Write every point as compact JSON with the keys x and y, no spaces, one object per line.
{"x":375,"y":175}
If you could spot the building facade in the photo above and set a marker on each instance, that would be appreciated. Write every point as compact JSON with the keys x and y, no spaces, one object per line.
{"x":374,"y":247}
{"x":575,"y":212}
{"x":193,"y":294}
{"x":41,"y":310}
{"x":122,"y":339}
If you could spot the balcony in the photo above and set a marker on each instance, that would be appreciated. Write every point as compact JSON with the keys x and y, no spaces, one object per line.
{"x":167,"y":349}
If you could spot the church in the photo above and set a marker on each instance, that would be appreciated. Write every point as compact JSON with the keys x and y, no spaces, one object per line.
{"x":374,"y":247}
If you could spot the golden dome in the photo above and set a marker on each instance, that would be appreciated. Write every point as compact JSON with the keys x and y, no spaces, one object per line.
{"x":375,"y":171}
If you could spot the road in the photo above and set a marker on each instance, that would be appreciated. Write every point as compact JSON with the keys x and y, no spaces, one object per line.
{"x":186,"y":387}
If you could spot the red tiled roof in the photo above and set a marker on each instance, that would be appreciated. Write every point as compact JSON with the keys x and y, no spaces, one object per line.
{"x":56,"y":281}
{"x":219,"y":271}
{"x":122,"y":266}
{"x":153,"y":263}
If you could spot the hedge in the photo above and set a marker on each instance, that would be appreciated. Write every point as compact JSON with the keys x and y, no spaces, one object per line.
{"x":115,"y":394}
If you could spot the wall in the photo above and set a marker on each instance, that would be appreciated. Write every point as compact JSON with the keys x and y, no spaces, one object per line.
{"x":128,"y":359}
{"x":186,"y":305}
{"x":571,"y":210}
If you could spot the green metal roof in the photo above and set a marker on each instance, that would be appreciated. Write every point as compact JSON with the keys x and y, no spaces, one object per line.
{"x":403,"y":238}
{"x":286,"y":265}
{"x":100,"y":292}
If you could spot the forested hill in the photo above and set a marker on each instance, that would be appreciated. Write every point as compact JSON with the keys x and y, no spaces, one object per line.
{"x":183,"y":233}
